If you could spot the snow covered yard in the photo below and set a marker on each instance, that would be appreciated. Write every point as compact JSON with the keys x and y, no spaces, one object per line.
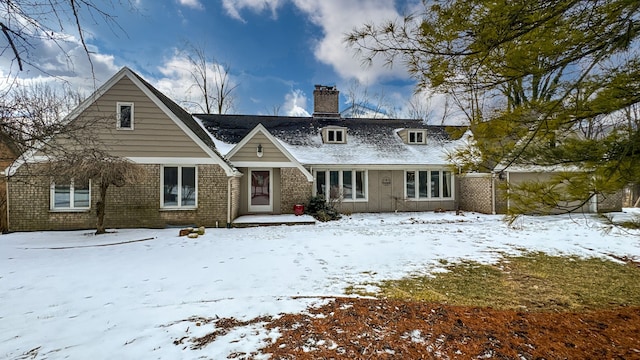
{"x":75,"y":295}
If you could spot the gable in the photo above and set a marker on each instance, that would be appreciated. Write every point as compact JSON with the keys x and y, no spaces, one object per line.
{"x":161,"y":130}
{"x":246,"y":154}
{"x":248,"y":151}
{"x":154,"y":133}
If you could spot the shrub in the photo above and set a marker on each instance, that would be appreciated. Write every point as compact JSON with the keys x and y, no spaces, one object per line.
{"x":322,"y":210}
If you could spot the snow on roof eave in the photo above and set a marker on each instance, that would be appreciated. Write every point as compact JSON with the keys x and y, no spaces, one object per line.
{"x":537,"y":168}
{"x":377,"y":166}
{"x":222,"y":147}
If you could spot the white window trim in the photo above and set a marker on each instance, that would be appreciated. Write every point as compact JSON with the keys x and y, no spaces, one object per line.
{"x":179,"y":195}
{"x":72,"y":207}
{"x":353,"y":198}
{"x":336,"y":131}
{"x":118,"y":107}
{"x":416,"y":132}
{"x":440,"y":185}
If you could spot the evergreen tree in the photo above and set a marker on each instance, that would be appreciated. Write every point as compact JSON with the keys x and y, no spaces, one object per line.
{"x":544,"y":83}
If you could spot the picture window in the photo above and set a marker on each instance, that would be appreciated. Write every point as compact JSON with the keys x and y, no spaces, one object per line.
{"x":179,"y":186}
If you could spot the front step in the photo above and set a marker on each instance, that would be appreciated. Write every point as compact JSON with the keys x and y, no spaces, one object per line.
{"x":246,"y":221}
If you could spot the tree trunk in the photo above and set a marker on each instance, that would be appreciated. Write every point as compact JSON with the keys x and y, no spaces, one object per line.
{"x":100,"y":208}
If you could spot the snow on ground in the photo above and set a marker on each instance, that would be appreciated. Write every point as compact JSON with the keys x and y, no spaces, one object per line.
{"x":79,"y":296}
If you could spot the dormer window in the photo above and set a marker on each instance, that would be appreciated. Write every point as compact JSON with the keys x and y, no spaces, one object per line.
{"x":416,"y":137}
{"x":124,"y":116}
{"x":335,"y":135}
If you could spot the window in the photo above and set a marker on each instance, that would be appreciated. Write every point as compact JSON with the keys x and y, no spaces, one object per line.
{"x":347,"y":185}
{"x":335,"y":136}
{"x":179,"y":186}
{"x":434,"y":184}
{"x":70,"y":195}
{"x":416,"y":137}
{"x":125,"y":116}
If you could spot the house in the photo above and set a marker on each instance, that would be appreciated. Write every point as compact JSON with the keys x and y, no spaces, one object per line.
{"x":209,"y":169}
{"x":204,"y":169}
{"x":365,"y":165}
{"x":188,"y":181}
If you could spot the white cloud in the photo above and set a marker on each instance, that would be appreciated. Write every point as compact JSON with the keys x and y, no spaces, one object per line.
{"x":63,"y":64}
{"x":194,"y":4}
{"x":336,"y":18}
{"x":234,"y":7}
{"x":295,"y":103}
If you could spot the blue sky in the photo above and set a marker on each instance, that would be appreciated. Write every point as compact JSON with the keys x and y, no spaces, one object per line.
{"x":276,"y":50}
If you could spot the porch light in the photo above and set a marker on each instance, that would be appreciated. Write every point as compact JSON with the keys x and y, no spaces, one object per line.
{"x":259,"y":150}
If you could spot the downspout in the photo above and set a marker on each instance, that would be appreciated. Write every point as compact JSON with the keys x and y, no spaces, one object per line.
{"x":508,"y":192}
{"x":594,"y":199}
{"x":229,"y":205}
{"x":493,"y":193}
{"x":7,"y":198}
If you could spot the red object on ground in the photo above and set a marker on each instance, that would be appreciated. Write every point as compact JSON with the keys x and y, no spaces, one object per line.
{"x":298,"y":209}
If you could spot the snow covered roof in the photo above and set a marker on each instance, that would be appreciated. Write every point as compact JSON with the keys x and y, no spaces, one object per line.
{"x":369,"y":141}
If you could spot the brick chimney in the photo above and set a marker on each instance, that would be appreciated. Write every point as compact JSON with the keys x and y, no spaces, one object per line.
{"x":326,"y":102}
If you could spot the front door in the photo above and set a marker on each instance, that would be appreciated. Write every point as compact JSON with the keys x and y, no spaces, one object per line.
{"x":260,"y":191}
{"x":385,"y":192}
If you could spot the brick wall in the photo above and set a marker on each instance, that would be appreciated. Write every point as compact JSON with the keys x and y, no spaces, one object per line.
{"x":135,"y":205}
{"x":474,"y":193}
{"x":296,"y":189}
{"x":235,"y":197}
{"x":610,"y":202}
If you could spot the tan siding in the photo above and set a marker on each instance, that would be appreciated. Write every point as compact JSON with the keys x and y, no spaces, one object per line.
{"x":519,"y":178}
{"x":386,"y":194}
{"x":404,"y":133}
{"x":154,"y":134}
{"x":249,"y":152}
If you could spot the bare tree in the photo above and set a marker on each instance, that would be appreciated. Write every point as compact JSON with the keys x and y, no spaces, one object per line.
{"x":365,"y":104}
{"x":104,"y":169}
{"x":32,"y":120}
{"x":32,"y":113}
{"x":274,"y":110}
{"x":419,"y":108}
{"x":25,"y":24}
{"x":212,"y":80}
